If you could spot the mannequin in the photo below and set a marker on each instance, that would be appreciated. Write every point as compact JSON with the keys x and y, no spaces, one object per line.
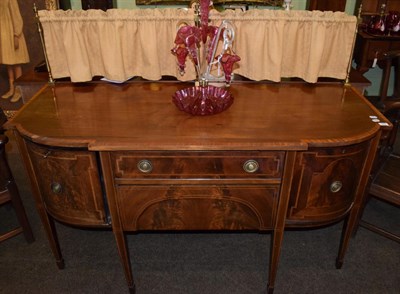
{"x":13,"y":50}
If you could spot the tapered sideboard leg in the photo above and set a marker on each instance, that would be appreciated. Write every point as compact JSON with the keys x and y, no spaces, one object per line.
{"x":50,"y":229}
{"x":132,"y":290}
{"x":47,"y":220}
{"x":279,"y":228}
{"x":350,"y":223}
{"x":270,"y":290}
{"x":123,"y":254}
{"x":116,"y":222}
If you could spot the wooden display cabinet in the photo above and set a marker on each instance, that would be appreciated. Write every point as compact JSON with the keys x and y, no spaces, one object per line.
{"x":369,"y":49}
{"x":373,"y":6}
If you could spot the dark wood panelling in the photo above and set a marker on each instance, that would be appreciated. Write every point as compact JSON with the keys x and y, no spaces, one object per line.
{"x":327,"y":5}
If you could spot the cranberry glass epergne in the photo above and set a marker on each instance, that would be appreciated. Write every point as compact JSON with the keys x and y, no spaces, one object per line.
{"x":200,"y":43}
{"x":384,"y":24}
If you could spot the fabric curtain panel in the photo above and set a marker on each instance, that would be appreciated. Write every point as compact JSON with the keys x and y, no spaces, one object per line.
{"x":121,"y":43}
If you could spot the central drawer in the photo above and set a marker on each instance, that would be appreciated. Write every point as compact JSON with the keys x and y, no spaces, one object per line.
{"x":188,"y":190}
{"x":197,"y":165}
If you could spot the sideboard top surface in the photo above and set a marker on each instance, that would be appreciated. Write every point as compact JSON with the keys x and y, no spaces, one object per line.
{"x":142,"y":116}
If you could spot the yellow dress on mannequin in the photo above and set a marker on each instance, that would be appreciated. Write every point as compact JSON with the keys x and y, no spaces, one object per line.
{"x":13,"y":50}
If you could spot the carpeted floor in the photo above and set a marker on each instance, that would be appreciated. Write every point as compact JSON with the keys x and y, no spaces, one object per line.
{"x":197,"y":263}
{"x":5,"y":104}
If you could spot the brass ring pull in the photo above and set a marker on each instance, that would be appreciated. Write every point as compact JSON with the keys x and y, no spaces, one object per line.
{"x":56,"y":188}
{"x":145,"y":166}
{"x":336,"y":186}
{"x":251,"y":166}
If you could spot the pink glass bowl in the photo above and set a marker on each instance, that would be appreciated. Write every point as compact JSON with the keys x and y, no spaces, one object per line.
{"x":206,"y":100}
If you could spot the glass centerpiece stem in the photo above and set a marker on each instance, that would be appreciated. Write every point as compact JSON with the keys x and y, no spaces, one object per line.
{"x":287,"y":4}
{"x":201,"y":41}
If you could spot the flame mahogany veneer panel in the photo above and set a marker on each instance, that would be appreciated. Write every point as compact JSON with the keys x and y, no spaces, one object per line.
{"x":314,"y":199}
{"x":197,"y":207}
{"x":69,"y":183}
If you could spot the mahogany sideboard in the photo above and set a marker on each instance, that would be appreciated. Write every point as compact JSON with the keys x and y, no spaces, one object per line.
{"x":288,"y":155}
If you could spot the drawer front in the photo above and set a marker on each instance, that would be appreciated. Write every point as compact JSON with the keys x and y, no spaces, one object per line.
{"x":69,"y":184}
{"x":238,"y":207}
{"x":377,"y":48}
{"x":191,"y":165}
{"x":324,"y":184}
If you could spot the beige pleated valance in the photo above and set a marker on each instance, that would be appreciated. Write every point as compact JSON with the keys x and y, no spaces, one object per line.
{"x":272,"y":44}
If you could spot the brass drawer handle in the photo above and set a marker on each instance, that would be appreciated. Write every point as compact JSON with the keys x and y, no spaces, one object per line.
{"x":56,"y":188}
{"x":336,"y":186}
{"x":251,"y":166}
{"x":145,"y":166}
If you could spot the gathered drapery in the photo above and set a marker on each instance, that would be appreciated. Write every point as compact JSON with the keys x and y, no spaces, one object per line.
{"x":121,"y":43}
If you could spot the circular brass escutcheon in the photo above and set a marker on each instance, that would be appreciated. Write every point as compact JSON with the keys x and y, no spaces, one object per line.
{"x":145,"y":166}
{"x":250,"y":166}
{"x":56,"y":187}
{"x":336,"y":186}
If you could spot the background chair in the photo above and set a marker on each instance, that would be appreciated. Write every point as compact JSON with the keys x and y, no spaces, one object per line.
{"x":9,"y":192}
{"x":385,"y":183}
